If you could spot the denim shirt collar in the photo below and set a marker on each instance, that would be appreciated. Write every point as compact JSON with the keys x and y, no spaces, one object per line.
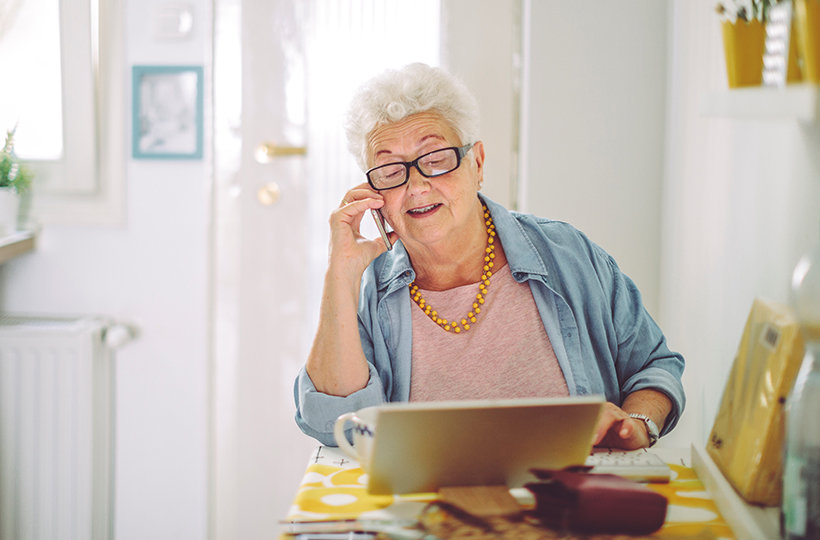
{"x":522,"y":257}
{"x":393,"y":269}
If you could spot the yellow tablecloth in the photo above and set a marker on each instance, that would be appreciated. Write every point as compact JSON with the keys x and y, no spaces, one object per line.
{"x":335,"y":488}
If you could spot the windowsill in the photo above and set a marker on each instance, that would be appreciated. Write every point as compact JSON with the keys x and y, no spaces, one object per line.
{"x":16,"y":244}
{"x":794,"y":102}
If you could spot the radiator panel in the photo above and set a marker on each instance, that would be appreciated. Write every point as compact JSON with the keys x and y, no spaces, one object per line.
{"x":55,"y":429}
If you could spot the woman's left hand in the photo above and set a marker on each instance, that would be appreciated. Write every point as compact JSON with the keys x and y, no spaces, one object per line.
{"x":616,"y":429}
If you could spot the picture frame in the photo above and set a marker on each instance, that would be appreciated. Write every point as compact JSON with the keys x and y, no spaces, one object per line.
{"x":168,"y":109}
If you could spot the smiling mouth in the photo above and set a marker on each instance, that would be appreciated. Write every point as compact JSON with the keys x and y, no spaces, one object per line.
{"x":423,"y":210}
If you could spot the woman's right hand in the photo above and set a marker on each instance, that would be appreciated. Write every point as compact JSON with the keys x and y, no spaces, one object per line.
{"x":336,"y":364}
{"x":348,"y":247}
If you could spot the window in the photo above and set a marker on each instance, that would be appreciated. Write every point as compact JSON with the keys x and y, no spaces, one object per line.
{"x":67,"y":105}
{"x":34,"y":26}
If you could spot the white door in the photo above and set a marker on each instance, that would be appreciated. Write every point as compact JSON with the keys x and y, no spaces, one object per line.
{"x":258,"y":453}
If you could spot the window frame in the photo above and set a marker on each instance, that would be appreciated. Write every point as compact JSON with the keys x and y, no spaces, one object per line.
{"x":86,"y":186}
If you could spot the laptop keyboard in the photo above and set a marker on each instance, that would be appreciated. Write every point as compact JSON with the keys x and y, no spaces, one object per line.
{"x":639,"y":465}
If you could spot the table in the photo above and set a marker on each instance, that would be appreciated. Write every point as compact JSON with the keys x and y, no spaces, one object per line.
{"x":333,"y":492}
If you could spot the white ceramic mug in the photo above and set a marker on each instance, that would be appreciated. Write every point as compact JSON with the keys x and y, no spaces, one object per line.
{"x":364,"y":429}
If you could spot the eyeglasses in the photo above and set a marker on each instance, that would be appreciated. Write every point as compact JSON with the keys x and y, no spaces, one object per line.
{"x":430,"y":165}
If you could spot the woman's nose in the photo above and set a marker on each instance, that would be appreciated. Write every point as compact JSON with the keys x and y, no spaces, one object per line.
{"x":417,"y":182}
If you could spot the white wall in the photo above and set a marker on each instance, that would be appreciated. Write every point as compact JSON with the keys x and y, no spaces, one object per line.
{"x":741,"y":204}
{"x":594,"y":126}
{"x":487,"y":68}
{"x":152,"y":271}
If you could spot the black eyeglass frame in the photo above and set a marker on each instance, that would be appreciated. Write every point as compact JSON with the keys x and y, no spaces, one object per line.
{"x":461,"y":151}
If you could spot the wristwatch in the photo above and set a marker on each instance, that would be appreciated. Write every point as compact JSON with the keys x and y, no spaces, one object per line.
{"x":651,"y":428}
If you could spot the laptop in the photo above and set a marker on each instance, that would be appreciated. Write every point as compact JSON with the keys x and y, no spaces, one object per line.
{"x":421,"y":447}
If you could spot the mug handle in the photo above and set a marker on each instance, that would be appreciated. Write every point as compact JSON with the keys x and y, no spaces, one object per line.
{"x":341,"y":438}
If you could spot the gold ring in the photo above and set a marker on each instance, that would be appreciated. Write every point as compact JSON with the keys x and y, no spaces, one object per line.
{"x":344,"y":202}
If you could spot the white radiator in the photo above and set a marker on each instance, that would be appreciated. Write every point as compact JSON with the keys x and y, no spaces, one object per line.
{"x":56,"y":445}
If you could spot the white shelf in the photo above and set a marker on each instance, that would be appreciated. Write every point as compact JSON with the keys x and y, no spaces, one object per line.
{"x":794,"y":102}
{"x":747,"y":521}
{"x":16,"y":244}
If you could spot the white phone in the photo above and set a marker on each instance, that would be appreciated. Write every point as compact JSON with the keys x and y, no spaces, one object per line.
{"x":377,"y":215}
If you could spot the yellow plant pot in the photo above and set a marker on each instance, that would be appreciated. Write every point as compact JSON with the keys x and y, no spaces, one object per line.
{"x":807,"y":28}
{"x":743,"y":45}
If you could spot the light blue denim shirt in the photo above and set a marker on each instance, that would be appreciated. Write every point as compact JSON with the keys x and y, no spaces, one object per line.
{"x":604,"y":339}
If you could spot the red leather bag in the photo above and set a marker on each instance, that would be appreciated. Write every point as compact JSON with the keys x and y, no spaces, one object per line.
{"x":571,"y":499}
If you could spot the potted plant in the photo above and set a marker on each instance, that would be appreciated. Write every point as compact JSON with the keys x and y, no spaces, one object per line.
{"x":15,"y":179}
{"x":744,"y":40}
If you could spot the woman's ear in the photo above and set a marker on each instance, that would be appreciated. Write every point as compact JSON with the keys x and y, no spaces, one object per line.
{"x":478,"y":156}
{"x":478,"y":153}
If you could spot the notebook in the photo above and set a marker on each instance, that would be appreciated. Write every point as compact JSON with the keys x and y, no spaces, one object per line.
{"x":420,"y":447}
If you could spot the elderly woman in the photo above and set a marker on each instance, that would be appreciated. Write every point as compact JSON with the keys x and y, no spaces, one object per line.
{"x":472,"y":301}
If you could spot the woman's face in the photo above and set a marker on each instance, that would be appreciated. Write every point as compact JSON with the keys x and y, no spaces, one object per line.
{"x":427,"y":210}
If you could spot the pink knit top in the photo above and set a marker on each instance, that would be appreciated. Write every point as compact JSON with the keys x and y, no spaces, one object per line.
{"x":505,"y":354}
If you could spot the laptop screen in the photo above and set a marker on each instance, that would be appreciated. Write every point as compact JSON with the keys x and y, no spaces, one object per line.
{"x":419,"y":447}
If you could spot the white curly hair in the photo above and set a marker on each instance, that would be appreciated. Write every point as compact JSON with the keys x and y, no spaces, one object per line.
{"x":397,"y":94}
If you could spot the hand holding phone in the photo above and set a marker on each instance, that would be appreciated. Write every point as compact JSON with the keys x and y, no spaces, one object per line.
{"x":377,"y":215}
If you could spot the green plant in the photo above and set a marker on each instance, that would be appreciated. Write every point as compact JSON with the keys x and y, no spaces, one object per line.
{"x":745,"y":10}
{"x":13,"y":173}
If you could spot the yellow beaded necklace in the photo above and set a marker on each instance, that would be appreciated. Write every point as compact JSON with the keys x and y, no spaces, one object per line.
{"x":453,"y":326}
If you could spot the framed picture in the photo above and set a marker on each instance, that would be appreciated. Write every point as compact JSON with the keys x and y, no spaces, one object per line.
{"x":168,"y":109}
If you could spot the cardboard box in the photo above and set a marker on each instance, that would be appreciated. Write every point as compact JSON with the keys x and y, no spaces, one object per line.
{"x":747,"y":438}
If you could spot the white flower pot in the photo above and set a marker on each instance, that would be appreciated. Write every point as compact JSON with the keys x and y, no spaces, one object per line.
{"x":9,"y":208}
